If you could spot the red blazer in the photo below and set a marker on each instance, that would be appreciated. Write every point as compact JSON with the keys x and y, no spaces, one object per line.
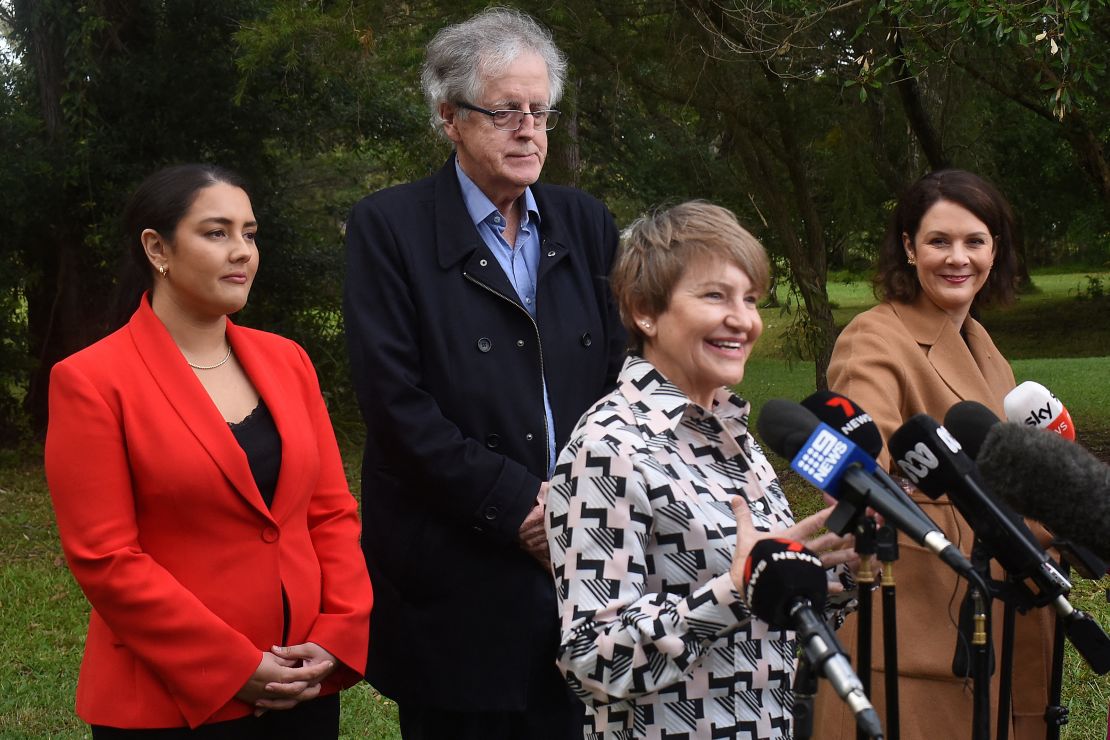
{"x":168,"y":536}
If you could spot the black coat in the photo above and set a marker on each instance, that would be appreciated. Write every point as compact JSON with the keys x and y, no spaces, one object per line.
{"x":448,"y":368}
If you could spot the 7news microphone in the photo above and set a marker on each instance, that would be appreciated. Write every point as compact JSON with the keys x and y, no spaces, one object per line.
{"x":785,"y":585}
{"x":933,"y":458}
{"x":834,"y":464}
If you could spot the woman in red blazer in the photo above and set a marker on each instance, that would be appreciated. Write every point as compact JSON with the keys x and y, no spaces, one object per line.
{"x":200,"y":497}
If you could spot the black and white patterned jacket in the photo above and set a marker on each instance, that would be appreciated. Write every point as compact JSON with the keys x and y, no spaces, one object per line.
{"x":654,"y":638}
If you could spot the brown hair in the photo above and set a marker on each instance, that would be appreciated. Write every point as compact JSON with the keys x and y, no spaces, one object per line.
{"x":896,"y":279}
{"x":657,"y":248}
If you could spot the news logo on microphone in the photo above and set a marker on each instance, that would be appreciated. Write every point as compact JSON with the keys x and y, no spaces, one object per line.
{"x":825,"y":456}
{"x":1034,"y":405}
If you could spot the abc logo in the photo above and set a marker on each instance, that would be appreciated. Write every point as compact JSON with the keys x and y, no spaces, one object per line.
{"x":918,"y":461}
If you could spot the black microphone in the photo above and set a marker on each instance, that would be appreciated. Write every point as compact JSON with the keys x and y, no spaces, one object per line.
{"x":785,"y":586}
{"x":845,"y":415}
{"x":970,"y":422}
{"x":932,"y":457}
{"x":1052,"y":480}
{"x":834,"y":464}
{"x":934,"y":460}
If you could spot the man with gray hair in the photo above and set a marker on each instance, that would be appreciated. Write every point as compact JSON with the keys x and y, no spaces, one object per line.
{"x":480,"y":327}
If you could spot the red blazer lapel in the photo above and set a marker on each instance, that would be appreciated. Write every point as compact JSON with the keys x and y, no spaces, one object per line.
{"x":281,"y":391}
{"x":187,"y":397}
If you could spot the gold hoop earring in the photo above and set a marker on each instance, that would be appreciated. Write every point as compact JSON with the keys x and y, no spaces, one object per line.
{"x":163,"y":271}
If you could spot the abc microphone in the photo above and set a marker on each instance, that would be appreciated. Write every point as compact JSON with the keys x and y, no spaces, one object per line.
{"x":1034,"y":405}
{"x":832,"y":463}
{"x":785,"y":586}
{"x":932,"y":458}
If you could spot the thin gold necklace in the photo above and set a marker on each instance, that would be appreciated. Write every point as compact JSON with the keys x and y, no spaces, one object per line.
{"x":212,"y":367}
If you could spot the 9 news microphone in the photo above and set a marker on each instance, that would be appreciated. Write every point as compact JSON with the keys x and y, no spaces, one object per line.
{"x":1034,"y":405}
{"x":831,"y":462}
{"x":932,"y":458}
{"x":845,"y":415}
{"x":785,"y":586}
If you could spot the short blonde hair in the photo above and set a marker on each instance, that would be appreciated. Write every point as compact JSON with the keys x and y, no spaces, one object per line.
{"x":657,"y":248}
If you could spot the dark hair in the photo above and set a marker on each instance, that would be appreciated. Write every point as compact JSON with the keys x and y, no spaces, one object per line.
{"x":896,"y":279}
{"x":159,"y":203}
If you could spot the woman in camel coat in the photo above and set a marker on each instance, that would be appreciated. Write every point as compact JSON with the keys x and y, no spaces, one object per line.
{"x":949,"y":248}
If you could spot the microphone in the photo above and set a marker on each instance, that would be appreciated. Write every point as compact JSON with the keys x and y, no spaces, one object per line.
{"x":932,"y":458}
{"x":853,"y":422}
{"x":785,"y":586}
{"x":970,"y":422}
{"x":834,"y":464}
{"x":1021,"y":464}
{"x":1034,"y":405}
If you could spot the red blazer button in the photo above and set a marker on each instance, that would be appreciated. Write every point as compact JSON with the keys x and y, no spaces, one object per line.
{"x":270,"y":534}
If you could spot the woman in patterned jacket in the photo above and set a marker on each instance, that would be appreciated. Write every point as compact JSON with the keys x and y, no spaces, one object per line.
{"x":661,"y":493}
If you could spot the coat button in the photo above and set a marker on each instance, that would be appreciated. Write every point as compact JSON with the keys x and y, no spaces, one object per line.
{"x":270,"y":535}
{"x":490,"y":513}
{"x":520,"y":342}
{"x":493,"y":440}
{"x":484,"y":344}
{"x":586,"y":339}
{"x":528,"y":436}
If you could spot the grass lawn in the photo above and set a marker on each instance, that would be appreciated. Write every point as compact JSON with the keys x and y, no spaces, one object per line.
{"x":1049,"y":336}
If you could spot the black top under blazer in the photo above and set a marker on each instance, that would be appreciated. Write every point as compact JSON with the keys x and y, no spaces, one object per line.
{"x":448,"y":369}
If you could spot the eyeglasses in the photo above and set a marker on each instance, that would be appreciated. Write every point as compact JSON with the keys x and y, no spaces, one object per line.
{"x":511,"y":120}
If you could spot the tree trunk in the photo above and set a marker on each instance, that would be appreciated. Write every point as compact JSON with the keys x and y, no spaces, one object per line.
{"x":58,"y":320}
{"x":909,"y":94}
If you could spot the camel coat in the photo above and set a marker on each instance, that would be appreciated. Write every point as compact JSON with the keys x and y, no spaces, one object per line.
{"x":896,"y":360}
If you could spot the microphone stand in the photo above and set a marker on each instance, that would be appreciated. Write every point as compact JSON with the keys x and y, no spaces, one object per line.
{"x":865,"y":580}
{"x":887,"y":548}
{"x":1006,"y":670}
{"x":1055,"y":714}
{"x":981,"y":666}
{"x":805,"y":691}
{"x":975,"y":619}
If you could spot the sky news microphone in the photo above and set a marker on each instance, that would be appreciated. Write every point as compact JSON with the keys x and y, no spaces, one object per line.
{"x":831,"y":462}
{"x":935,"y":461}
{"x":785,"y":585}
{"x":846,"y":416}
{"x":1034,"y":405}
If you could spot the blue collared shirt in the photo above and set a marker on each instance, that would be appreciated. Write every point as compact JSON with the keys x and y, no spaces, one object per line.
{"x":520,"y":262}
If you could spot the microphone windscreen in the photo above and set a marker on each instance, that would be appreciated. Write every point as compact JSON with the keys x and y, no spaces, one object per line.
{"x":969,"y":422}
{"x":777,"y":574}
{"x":785,"y":426}
{"x":842,"y":414}
{"x":1051,"y":479}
